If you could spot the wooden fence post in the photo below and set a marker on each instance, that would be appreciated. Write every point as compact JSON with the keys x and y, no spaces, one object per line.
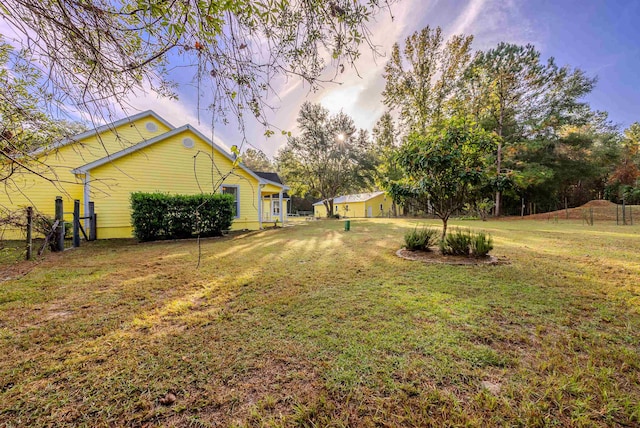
{"x":29,"y":232}
{"x":92,"y":224}
{"x":59,"y":233}
{"x":76,"y":223}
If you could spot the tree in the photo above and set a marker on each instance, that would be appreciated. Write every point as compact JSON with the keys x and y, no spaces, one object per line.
{"x":385,"y":146}
{"x":422,"y":82}
{"x":325,"y":159}
{"x":256,"y":160}
{"x":446,"y":167}
{"x":25,"y":124}
{"x":624,"y":181}
{"x":97,"y":52}
{"x":525,"y":102}
{"x":509,"y":77}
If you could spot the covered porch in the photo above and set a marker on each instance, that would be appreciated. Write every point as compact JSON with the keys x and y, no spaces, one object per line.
{"x":273,"y":205}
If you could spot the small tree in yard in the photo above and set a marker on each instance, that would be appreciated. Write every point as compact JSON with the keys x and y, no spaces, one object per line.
{"x":446,"y":167}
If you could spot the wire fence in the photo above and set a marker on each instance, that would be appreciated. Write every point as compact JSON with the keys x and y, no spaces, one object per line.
{"x":594,"y":212}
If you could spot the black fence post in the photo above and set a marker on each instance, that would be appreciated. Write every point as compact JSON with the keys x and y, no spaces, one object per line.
{"x":76,"y":223}
{"x":59,"y":233}
{"x":29,"y":232}
{"x":92,"y":220}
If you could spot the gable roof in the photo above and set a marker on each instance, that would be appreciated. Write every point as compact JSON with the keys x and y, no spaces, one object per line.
{"x":356,"y":197}
{"x":271,"y":176}
{"x":146,"y":143}
{"x":103,"y":128}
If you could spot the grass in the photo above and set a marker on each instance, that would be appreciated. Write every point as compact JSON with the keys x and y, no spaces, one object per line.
{"x":314,"y":326}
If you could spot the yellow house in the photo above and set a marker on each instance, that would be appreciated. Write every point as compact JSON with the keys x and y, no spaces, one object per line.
{"x":274,"y":209}
{"x":373,"y":204}
{"x":142,"y":153}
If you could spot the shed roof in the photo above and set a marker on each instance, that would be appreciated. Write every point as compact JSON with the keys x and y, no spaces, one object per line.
{"x":356,"y":197}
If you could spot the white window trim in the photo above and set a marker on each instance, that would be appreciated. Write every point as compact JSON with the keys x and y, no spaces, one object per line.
{"x":237,"y":187}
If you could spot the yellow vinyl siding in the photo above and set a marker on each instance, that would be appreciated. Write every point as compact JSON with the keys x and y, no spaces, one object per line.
{"x":360,"y":209}
{"x":167,"y":166}
{"x":375,"y":203}
{"x":270,"y":189}
{"x":267,"y":209}
{"x":319,"y":211}
{"x":27,"y":189}
{"x":349,"y":209}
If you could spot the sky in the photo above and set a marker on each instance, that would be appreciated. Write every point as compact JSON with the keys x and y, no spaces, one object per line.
{"x":598,"y":36}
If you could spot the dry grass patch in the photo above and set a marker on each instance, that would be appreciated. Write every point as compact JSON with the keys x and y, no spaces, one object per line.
{"x":314,"y":326}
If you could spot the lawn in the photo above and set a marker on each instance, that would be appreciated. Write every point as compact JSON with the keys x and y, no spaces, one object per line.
{"x":313,"y":326}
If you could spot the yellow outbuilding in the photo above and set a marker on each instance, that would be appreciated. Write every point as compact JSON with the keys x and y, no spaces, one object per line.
{"x":142,"y":153}
{"x":367,"y":205}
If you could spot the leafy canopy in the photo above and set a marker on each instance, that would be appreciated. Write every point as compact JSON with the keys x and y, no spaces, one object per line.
{"x":327,"y":158}
{"x":446,"y":167}
{"x":98,"y":51}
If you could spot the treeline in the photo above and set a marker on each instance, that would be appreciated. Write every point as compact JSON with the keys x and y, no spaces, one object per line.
{"x":551,"y":147}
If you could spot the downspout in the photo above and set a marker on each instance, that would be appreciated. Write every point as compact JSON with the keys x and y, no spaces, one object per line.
{"x":87,"y":194}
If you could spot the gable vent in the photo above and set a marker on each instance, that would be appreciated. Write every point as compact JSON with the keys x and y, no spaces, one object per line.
{"x":151,"y":127}
{"x":188,"y":143}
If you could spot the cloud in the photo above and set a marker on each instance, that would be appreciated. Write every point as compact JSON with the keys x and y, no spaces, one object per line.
{"x":359,"y":91}
{"x":468,"y":17}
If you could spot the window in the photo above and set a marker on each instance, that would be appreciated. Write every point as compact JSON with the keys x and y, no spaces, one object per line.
{"x":188,"y":143}
{"x":233,"y":190}
{"x":276,"y":207}
{"x":381,"y":209}
{"x":346,"y":207}
{"x":336,"y":208}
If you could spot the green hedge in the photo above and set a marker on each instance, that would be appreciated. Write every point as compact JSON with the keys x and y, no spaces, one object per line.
{"x":161,"y":216}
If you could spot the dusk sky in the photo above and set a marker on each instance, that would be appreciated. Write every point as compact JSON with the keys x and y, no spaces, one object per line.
{"x":600,"y":37}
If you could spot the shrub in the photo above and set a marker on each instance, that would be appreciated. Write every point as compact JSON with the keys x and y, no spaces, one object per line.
{"x":456,"y":243}
{"x":162,"y":216}
{"x":481,"y":244}
{"x":420,"y":239}
{"x":465,"y":243}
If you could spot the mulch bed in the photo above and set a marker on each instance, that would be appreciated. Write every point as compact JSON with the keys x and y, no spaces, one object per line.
{"x":438,"y":258}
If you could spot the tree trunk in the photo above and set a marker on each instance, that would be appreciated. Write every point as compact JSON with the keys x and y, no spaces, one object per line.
{"x":498,"y":210}
{"x":328,"y":204}
{"x":444,"y":228}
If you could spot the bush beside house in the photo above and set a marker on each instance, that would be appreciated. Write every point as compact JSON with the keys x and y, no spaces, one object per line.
{"x":161,"y":216}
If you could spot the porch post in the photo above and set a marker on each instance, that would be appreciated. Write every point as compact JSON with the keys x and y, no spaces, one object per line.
{"x":281,"y":210}
{"x":87,"y":198}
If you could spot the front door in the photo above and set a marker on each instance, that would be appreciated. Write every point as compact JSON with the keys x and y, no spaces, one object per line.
{"x":369,"y":211}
